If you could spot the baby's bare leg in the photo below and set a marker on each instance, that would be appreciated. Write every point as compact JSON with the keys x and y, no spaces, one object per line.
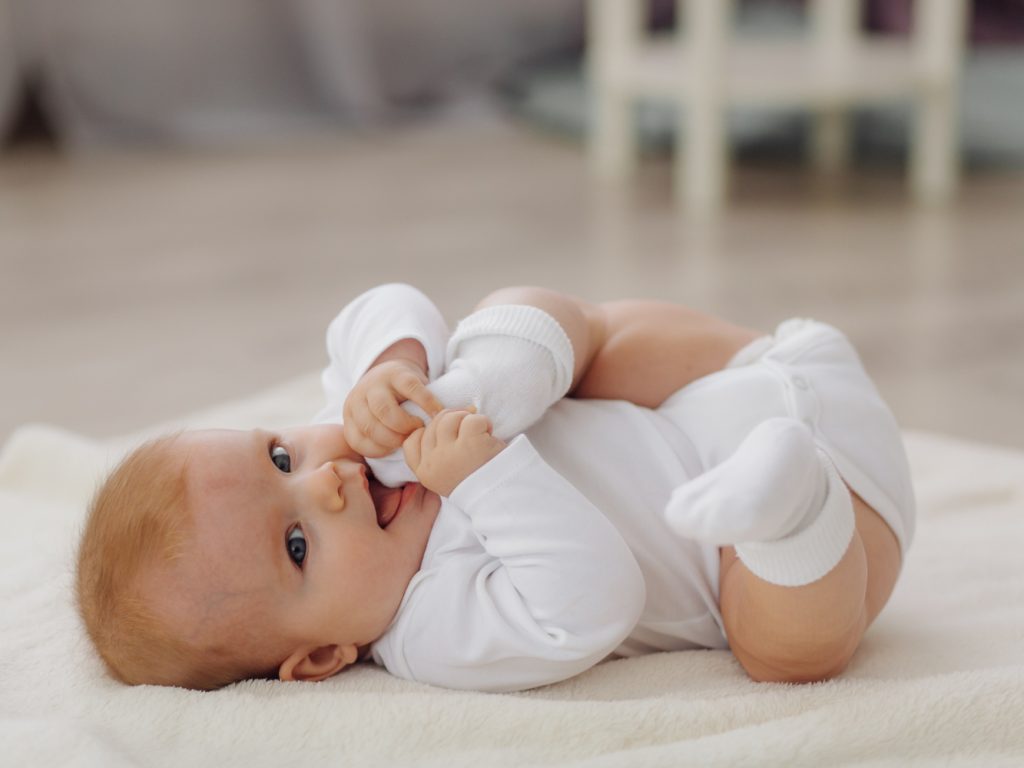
{"x":654,"y":348}
{"x":809,"y":633}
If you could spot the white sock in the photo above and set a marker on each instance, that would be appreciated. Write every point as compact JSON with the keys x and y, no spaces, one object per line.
{"x":778,"y":499}
{"x":512,"y":362}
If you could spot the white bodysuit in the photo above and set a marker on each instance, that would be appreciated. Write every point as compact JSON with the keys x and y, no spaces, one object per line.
{"x":555,"y":554}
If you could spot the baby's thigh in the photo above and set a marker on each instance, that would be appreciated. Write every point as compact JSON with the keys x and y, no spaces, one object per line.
{"x":881,"y":550}
{"x":655,"y":348}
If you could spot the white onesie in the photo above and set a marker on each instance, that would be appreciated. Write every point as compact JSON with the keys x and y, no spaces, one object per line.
{"x":555,"y":554}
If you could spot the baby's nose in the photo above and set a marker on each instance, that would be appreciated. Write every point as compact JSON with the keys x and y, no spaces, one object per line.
{"x":326,"y":487}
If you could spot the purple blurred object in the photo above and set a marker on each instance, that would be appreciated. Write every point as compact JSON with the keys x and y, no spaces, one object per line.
{"x":991,"y":21}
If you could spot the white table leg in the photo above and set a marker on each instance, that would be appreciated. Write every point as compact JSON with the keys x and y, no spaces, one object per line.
{"x":939,"y":39}
{"x":701,"y":145}
{"x":835,"y":25}
{"x":614,"y":28}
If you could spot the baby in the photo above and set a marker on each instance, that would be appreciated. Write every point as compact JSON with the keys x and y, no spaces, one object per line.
{"x":752,"y":494}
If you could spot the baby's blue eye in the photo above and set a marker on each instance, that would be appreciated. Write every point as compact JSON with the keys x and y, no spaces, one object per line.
{"x":297,"y":546}
{"x":279,"y":455}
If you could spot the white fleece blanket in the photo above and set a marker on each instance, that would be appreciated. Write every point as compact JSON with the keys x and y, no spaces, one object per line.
{"x":939,"y":677}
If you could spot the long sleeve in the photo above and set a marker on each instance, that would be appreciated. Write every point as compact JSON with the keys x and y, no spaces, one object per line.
{"x":553,"y":591}
{"x":367,"y":326}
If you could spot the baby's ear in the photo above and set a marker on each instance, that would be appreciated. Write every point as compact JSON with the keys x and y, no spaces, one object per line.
{"x":314,"y":663}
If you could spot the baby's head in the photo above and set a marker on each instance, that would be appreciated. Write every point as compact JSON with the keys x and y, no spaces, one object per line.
{"x":217,"y":555}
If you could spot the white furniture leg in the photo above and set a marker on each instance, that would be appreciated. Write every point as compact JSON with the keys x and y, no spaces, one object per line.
{"x":614,"y":28}
{"x":701,"y":147}
{"x":834,"y":28}
{"x":939,"y":31}
{"x":703,"y":72}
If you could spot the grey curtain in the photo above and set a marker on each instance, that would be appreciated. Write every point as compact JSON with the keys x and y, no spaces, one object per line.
{"x":9,"y":67}
{"x":199,"y":71}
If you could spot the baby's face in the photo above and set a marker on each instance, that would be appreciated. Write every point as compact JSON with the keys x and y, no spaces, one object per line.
{"x":293,"y":547}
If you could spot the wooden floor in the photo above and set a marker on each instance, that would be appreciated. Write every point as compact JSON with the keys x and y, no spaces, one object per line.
{"x":135,"y":288}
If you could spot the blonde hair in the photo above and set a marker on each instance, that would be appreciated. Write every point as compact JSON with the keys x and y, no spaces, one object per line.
{"x":139,"y":520}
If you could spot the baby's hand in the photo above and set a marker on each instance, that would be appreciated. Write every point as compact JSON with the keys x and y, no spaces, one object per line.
{"x":375,"y":423}
{"x":453,"y":446}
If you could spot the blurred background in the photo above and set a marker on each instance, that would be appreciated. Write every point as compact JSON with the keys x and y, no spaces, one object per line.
{"x":190,"y":191}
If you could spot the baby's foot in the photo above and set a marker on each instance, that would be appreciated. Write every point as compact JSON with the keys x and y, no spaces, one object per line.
{"x":772,"y":486}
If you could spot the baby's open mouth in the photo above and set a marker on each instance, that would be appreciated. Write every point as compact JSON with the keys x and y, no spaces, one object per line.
{"x":389,"y":501}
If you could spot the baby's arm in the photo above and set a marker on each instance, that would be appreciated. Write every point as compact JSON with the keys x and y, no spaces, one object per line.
{"x":386,"y":322}
{"x":554,"y":590}
{"x":510,"y":362}
{"x":392,"y":323}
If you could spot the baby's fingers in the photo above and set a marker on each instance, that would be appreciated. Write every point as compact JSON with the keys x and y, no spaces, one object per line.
{"x":372,"y":439}
{"x":366,"y":433}
{"x":413,"y":449}
{"x":386,"y":410}
{"x":448,"y":423}
{"x":413,"y":389}
{"x":475,"y":424}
